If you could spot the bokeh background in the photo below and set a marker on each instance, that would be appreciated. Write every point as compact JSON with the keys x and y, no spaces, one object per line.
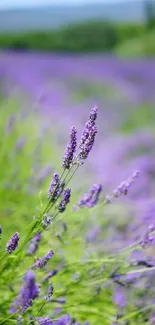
{"x":57,"y":60}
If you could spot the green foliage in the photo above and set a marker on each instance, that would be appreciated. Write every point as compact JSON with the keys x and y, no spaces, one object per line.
{"x":150,"y":14}
{"x":84,"y":268}
{"x":84,"y":37}
{"x":93,"y":36}
{"x":140,"y":46}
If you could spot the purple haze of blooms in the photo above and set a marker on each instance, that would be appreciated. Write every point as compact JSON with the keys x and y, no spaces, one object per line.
{"x":0,"y":229}
{"x":123,"y":188}
{"x":20,"y":143}
{"x":40,"y":263}
{"x":66,"y":199}
{"x":27,"y":294}
{"x":34,"y":244}
{"x":49,"y":275}
{"x":54,"y":187}
{"x":13,"y":243}
{"x":70,"y":149}
{"x":44,"y":173}
{"x":64,"y":320}
{"x":148,"y":238}
{"x":50,"y":292}
{"x":91,"y":198}
{"x":88,"y":136}
{"x":10,"y":124}
{"x":44,"y":321}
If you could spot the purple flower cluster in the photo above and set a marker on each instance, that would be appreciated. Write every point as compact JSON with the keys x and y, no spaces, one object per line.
{"x":66,"y":199}
{"x":40,"y":263}
{"x":123,"y":188}
{"x":13,"y":243}
{"x":20,"y":143}
{"x":0,"y":229}
{"x":64,"y":320}
{"x":44,"y":321}
{"x":149,"y":237}
{"x":27,"y":294}
{"x":88,"y":136}
{"x":10,"y":124}
{"x":54,"y":188}
{"x":70,"y":149}
{"x":49,"y":275}
{"x":34,"y":244}
{"x":50,"y":292}
{"x":91,"y":198}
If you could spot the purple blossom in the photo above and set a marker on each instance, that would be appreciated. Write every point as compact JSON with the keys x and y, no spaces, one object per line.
{"x":27,"y":294}
{"x":49,"y":275}
{"x":148,"y":238}
{"x":123,"y":188}
{"x":46,"y":221}
{"x":44,"y":321}
{"x":13,"y":243}
{"x":119,"y":297}
{"x":88,"y":136}
{"x":20,"y":143}
{"x":66,"y":199}
{"x":91,"y":198}
{"x":70,"y":149}
{"x":40,"y":263}
{"x":59,"y":300}
{"x":64,"y":320}
{"x":0,"y":229}
{"x":50,"y":292}
{"x":34,"y":244}
{"x":93,"y":114}
{"x":54,"y":188}
{"x":10,"y":124}
{"x":44,"y":173}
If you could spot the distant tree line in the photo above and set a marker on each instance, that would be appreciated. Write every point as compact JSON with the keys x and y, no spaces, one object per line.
{"x":150,"y":14}
{"x":91,"y":36}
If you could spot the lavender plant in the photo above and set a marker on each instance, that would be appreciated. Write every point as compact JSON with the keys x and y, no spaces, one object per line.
{"x":86,"y":294}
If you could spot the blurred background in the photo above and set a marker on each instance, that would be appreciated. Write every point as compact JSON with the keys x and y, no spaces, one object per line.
{"x":60,"y":58}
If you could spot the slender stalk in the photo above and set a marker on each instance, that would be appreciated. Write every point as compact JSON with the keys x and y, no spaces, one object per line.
{"x":6,"y":319}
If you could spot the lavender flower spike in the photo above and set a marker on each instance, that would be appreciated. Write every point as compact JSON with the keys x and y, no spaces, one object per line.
{"x":64,"y":320}
{"x":88,"y":136}
{"x":40,"y":263}
{"x":70,"y":149}
{"x":54,"y":187}
{"x":50,"y":292}
{"x":91,"y":198}
{"x":13,"y":243}
{"x":34,"y":244}
{"x":44,"y":321}
{"x":27,"y":294}
{"x":65,"y":201}
{"x":123,"y":188}
{"x":49,"y":275}
{"x":93,"y":114}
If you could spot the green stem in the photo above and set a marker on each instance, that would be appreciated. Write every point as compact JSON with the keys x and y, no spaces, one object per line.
{"x":40,"y":309}
{"x":6,"y":319}
{"x":137,"y":312}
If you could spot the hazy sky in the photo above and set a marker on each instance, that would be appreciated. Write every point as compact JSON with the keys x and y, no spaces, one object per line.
{"x":27,"y":3}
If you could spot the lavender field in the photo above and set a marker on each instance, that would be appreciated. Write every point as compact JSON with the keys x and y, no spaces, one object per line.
{"x":85,"y":254}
